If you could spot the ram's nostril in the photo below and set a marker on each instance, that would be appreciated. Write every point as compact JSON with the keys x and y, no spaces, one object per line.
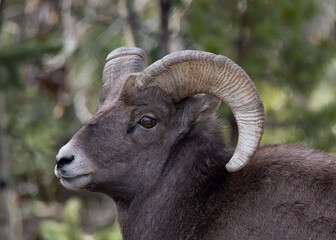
{"x":64,"y":160}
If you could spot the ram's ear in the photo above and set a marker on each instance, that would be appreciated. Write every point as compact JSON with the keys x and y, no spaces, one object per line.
{"x":196,"y":108}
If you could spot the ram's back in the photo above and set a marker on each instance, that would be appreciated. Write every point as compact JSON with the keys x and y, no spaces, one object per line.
{"x":288,"y":192}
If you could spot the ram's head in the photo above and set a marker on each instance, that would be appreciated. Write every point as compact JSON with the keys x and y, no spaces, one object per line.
{"x":144,"y":112}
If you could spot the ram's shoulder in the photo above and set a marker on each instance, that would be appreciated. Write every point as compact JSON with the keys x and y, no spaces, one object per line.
{"x":293,"y":156}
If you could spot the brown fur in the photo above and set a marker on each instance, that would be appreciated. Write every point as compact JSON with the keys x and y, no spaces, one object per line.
{"x":170,"y":181}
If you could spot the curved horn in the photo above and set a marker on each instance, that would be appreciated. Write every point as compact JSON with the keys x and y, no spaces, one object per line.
{"x":185,"y":73}
{"x":119,"y":62}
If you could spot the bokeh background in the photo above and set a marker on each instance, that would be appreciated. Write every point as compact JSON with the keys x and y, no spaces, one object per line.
{"x":51,"y":58}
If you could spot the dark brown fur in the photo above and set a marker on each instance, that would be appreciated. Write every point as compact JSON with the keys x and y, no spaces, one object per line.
{"x":170,"y":182}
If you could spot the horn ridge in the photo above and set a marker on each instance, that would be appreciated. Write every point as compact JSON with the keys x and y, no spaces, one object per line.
{"x":196,"y":72}
{"x":127,"y":51}
{"x":120,"y":62}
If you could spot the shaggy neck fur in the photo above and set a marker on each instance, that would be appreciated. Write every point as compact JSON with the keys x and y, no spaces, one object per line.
{"x":192,"y":174}
{"x":282,"y":194}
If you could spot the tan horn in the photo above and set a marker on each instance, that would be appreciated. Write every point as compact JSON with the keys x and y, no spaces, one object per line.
{"x":185,"y":73}
{"x":120,"y":62}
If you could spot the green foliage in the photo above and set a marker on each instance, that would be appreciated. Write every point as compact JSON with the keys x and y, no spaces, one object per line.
{"x":285,"y":57}
{"x":267,"y":38}
{"x":111,"y":233}
{"x":69,"y":228}
{"x":12,"y":56}
{"x":34,"y":134}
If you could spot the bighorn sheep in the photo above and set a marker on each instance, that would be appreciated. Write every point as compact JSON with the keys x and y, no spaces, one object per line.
{"x":154,"y":146}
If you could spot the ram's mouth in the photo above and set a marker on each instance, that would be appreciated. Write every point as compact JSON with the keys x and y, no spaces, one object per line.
{"x":77,"y":182}
{"x":74,"y":182}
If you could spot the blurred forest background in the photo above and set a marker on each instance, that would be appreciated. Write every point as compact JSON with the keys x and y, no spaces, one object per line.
{"x":51,"y":58}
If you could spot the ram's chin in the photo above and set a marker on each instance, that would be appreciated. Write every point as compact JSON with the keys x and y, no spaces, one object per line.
{"x":77,"y":183}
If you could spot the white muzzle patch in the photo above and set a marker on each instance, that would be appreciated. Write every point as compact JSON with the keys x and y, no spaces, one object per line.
{"x":75,"y":173}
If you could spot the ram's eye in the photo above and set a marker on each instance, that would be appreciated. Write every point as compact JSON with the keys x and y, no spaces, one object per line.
{"x":148,"y":122}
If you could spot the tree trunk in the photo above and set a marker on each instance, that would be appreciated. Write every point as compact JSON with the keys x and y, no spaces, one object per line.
{"x":4,"y":213}
{"x":133,"y":25}
{"x":163,"y":41}
{"x":4,"y":175}
{"x":2,"y":4}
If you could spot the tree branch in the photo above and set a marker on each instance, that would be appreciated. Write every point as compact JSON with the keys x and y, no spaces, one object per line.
{"x":4,"y":176}
{"x":2,"y":3}
{"x":165,"y":7}
{"x":133,"y":23}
